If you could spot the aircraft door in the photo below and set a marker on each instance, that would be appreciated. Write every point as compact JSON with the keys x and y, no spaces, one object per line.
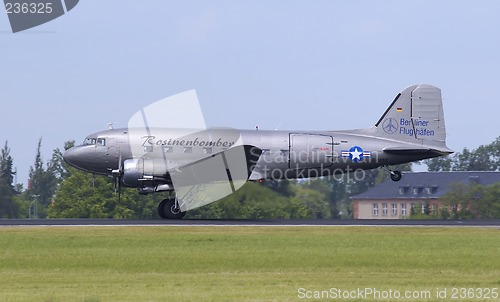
{"x":310,"y":150}
{"x":106,"y":147}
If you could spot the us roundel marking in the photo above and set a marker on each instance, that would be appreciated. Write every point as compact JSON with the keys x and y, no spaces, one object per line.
{"x":356,"y":154}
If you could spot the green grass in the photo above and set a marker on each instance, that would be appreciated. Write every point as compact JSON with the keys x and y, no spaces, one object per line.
{"x":239,"y":263}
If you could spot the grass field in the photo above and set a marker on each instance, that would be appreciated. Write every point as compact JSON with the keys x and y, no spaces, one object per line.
{"x":242,"y":263}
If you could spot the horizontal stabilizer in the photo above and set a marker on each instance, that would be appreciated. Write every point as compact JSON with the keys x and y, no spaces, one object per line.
{"x":411,"y":151}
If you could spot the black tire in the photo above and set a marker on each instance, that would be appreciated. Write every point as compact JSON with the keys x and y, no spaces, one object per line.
{"x":161,"y":209}
{"x":396,"y":175}
{"x":167,"y":209}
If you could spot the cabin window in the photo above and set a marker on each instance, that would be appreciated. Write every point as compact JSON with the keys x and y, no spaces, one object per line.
{"x":101,"y":141}
{"x":148,"y":149}
{"x":89,"y":141}
{"x":168,"y":149}
{"x":188,"y":149}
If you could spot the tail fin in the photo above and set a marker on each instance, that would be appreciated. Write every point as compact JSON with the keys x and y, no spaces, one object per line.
{"x":416,"y":115}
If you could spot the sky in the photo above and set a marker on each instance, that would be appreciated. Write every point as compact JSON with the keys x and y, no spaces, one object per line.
{"x":308,"y":65}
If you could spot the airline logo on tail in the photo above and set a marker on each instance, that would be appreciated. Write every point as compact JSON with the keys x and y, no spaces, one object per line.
{"x":390,"y":126}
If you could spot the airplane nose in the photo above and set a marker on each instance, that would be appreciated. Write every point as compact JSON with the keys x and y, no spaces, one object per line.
{"x":70,"y":156}
{"x":79,"y":157}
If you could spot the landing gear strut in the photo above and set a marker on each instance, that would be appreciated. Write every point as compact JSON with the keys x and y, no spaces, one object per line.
{"x":169,"y":209}
{"x":395,"y":175}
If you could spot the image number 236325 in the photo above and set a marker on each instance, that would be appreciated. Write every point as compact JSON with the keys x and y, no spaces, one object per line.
{"x":28,"y":8}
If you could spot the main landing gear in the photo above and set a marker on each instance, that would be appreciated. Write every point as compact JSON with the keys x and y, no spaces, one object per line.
{"x":169,"y":208}
{"x":395,"y":175}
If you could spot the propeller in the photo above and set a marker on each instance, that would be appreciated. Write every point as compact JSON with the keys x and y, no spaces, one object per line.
{"x":117,"y":177}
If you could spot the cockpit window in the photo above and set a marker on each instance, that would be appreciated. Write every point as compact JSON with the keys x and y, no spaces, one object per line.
{"x":101,"y":141}
{"x":90,"y":141}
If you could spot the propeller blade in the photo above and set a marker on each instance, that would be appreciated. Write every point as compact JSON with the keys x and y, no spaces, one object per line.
{"x":119,"y":188}
{"x":120,"y":173}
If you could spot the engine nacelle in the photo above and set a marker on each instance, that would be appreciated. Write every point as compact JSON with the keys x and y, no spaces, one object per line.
{"x":138,"y":170}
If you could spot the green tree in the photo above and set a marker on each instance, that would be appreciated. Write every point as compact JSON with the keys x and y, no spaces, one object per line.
{"x":6,"y":167}
{"x":487,"y":201}
{"x":439,"y":164}
{"x":323,"y":185}
{"x":459,"y":198}
{"x":81,"y":195}
{"x":312,"y":202}
{"x":257,"y":201}
{"x":282,"y":186}
{"x":57,"y":166}
{"x":484,"y":158}
{"x":9,"y":207}
{"x":42,"y":183}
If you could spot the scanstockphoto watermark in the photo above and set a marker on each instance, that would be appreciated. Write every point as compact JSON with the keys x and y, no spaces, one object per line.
{"x":25,"y":14}
{"x":369,"y":293}
{"x":339,"y":174}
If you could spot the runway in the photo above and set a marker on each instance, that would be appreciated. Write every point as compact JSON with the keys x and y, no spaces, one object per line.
{"x":246,"y":222}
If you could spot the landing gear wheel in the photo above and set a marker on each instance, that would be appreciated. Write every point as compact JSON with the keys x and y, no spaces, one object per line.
{"x":169,"y":209}
{"x":396,"y":175}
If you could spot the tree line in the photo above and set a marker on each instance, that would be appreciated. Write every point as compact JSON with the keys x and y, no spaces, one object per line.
{"x":466,"y":201}
{"x":56,"y":190}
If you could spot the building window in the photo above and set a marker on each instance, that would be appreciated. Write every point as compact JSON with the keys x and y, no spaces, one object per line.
{"x":424,"y":207}
{"x":394,"y":209}
{"x":403,"y":190}
{"x":375,"y":209}
{"x":384,"y":209}
{"x":416,"y":190}
{"x":403,"y":209}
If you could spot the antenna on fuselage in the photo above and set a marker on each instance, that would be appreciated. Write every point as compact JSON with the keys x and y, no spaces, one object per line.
{"x":110,"y":126}
{"x":276,"y":129}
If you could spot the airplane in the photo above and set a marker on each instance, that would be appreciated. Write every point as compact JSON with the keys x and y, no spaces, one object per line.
{"x":200,"y":166}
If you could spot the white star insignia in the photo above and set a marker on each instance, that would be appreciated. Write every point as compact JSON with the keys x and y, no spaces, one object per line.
{"x":356,"y":154}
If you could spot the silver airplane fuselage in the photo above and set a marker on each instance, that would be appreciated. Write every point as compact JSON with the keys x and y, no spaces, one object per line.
{"x":285,"y":154}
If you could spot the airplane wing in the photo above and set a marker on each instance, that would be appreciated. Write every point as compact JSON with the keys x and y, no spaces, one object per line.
{"x":214,"y":177}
